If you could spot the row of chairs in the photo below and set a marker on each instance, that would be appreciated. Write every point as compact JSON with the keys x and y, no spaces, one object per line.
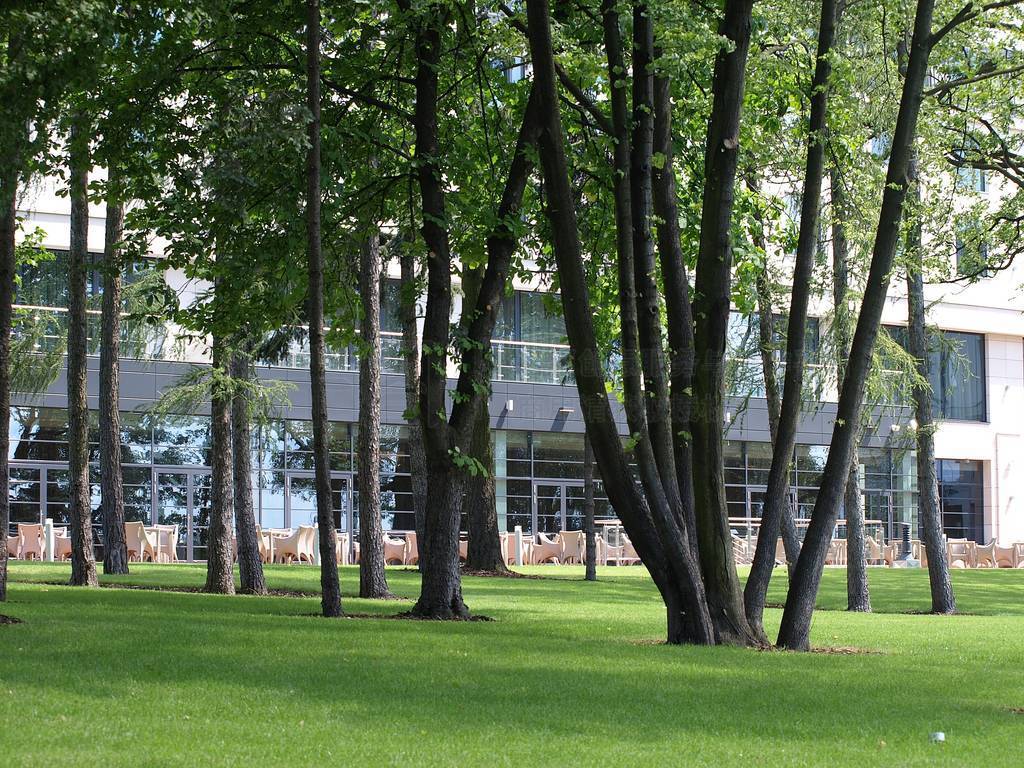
{"x":29,"y":543}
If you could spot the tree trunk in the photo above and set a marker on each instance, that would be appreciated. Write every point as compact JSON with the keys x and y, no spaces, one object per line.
{"x":372,"y":581}
{"x":858,"y":596}
{"x":795,"y":630}
{"x":411,"y":358}
{"x":929,"y":514}
{"x":484,"y":546}
{"x":676,"y":576}
{"x":713,"y":291}
{"x":8,"y":226}
{"x":250,"y":567}
{"x":329,"y":583}
{"x":588,"y":510}
{"x":679,"y":313}
{"x":220,"y":578}
{"x":83,"y":562}
{"x":115,"y":549}
{"x":777,"y":499}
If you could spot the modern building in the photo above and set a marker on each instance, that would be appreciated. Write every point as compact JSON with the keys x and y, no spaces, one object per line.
{"x":536,"y":421}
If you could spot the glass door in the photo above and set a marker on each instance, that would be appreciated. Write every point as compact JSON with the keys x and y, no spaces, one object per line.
{"x":184,"y":499}
{"x":302,"y":501}
{"x":878,"y":517}
{"x":558,"y":506}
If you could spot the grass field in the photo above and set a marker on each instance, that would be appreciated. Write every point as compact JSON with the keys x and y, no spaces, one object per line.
{"x":569,"y":673}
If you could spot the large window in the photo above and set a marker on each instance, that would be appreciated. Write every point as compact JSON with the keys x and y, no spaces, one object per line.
{"x":961,"y":491}
{"x":956,"y":372}
{"x":744,"y":371}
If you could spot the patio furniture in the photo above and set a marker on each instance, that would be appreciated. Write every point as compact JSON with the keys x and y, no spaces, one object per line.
{"x":166,"y":542}
{"x":837,"y":552}
{"x":13,"y":547}
{"x":394,"y":550}
{"x":874,"y":551}
{"x":412,"y":551}
{"x":890,"y":552}
{"x":1018,"y":557}
{"x":612,"y":554}
{"x":341,"y":548}
{"x":1005,"y":557}
{"x":547,"y":550}
{"x":959,"y":553}
{"x":30,"y":544}
{"x":463,"y":550}
{"x":508,"y":547}
{"x":573,"y":545}
{"x":297,"y":547}
{"x":139,"y":542}
{"x":629,"y":555}
{"x":61,"y":548}
{"x":985,"y":555}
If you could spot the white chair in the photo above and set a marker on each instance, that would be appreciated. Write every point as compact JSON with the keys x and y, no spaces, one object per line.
{"x":140,"y":543}
{"x":546,"y":550}
{"x":13,"y":547}
{"x":166,"y":542}
{"x":959,"y":553}
{"x":1005,"y":557}
{"x":985,"y":555}
{"x":573,"y":545}
{"x":412,"y":549}
{"x":30,"y":541}
{"x":394,"y":550}
{"x":629,"y":555}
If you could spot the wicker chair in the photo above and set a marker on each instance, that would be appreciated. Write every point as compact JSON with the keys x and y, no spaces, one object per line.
{"x":985,"y":555}
{"x":959,"y":552}
{"x":412,"y":549}
{"x":394,"y":551}
{"x":167,"y":542}
{"x":30,"y":541}
{"x":139,"y":542}
{"x":629,"y":555}
{"x":1005,"y":557}
{"x":573,"y":545}
{"x":547,"y":549}
{"x":13,"y":547}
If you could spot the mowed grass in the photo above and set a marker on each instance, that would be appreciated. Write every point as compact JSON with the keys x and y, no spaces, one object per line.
{"x":568,"y":673}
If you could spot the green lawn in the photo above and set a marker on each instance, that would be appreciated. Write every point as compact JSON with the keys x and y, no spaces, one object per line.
{"x":569,"y":673}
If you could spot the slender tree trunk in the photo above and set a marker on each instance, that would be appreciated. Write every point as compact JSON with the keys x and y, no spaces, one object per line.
{"x":858,"y":596}
{"x":713,"y":291}
{"x":219,"y":574}
{"x":115,"y":549}
{"x":329,"y":583}
{"x":795,"y":630}
{"x":777,"y":498}
{"x":250,"y":566}
{"x":676,"y":575}
{"x":83,"y":562}
{"x":588,"y":510}
{"x":929,"y":512}
{"x":411,"y":358}
{"x":484,"y":547}
{"x":679,"y":312}
{"x":372,"y":581}
{"x":8,"y":225}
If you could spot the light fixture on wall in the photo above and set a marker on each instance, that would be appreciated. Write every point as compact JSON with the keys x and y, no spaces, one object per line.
{"x":510,"y":405}
{"x":566,"y":410}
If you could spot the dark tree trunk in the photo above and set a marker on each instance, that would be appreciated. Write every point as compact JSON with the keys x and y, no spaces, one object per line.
{"x":372,"y":581}
{"x":679,"y":313}
{"x":83,"y":561}
{"x":484,"y":546}
{"x":858,"y":596}
{"x":250,"y":566}
{"x":219,"y":575}
{"x":711,"y":308}
{"x":8,"y":226}
{"x":795,"y":630}
{"x":115,"y":549}
{"x":777,"y":498}
{"x":411,"y":358}
{"x":929,"y":512}
{"x":329,"y":583}
{"x":588,"y":511}
{"x":676,"y":576}
{"x":773,"y":399}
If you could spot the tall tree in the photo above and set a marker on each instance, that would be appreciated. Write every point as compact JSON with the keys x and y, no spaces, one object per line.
{"x":372,"y":581}
{"x":711,"y":309}
{"x":329,"y":582}
{"x":115,"y":549}
{"x":929,"y":515}
{"x":250,"y":567}
{"x":411,"y":368}
{"x":219,"y":575}
{"x":83,"y":561}
{"x":794,"y":632}
{"x":777,"y":496}
{"x":588,"y":511}
{"x":8,"y":226}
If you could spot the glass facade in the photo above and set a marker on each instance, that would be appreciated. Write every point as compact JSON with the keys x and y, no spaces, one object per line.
{"x":744,"y":371}
{"x":961,"y":490}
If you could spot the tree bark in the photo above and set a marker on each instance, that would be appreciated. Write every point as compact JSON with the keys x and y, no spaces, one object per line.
{"x":928,"y":506}
{"x":588,"y":511}
{"x":220,"y":578}
{"x":83,"y":561}
{"x":484,"y":546}
{"x":794,"y":632}
{"x":777,"y":498}
{"x":115,"y":549}
{"x":8,"y":226}
{"x":411,"y":360}
{"x":372,"y":581}
{"x":858,"y":596}
{"x":330,"y":586}
{"x":676,"y":577}
{"x":714,"y":271}
{"x":679,"y":312}
{"x":250,"y":566}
